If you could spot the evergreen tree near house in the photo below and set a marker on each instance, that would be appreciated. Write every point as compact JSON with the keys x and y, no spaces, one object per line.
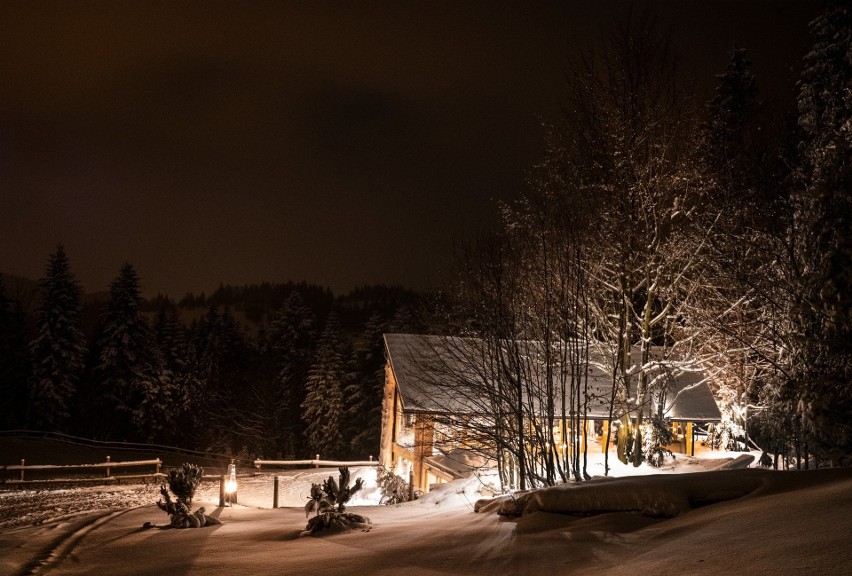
{"x":59,"y":348}
{"x":729,"y":319}
{"x":732,"y":128}
{"x":364,"y":393}
{"x":822,"y":309}
{"x":134,"y":386}
{"x":324,"y":409}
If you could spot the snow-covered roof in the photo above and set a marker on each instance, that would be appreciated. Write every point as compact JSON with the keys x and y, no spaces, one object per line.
{"x":450,"y":375}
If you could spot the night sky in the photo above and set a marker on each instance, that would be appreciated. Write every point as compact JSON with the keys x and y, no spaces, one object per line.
{"x":341,"y":143}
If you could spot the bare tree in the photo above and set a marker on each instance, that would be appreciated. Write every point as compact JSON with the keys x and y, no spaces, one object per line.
{"x":635,"y":148}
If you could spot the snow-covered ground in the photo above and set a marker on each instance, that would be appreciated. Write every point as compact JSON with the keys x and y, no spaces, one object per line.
{"x":711,"y":522}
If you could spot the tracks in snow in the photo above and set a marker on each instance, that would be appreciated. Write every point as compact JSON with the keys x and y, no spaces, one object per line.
{"x":62,"y":546}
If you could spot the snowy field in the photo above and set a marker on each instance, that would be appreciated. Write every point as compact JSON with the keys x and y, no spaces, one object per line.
{"x":666,"y":522}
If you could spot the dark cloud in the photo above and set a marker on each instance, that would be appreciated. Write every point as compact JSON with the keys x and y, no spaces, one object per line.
{"x":339,"y":142}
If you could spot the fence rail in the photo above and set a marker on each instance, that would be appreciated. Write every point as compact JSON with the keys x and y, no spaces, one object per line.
{"x":316,"y":463}
{"x":107,"y":467}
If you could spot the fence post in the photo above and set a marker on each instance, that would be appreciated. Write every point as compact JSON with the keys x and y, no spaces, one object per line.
{"x":158,"y":466}
{"x":411,"y":485}
{"x":275,"y":492}
{"x":107,"y":468}
{"x":222,"y":491}
{"x":316,"y":464}
{"x":23,"y":463}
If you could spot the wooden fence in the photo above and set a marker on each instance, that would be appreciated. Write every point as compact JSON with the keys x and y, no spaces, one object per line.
{"x":316,"y":463}
{"x":108,"y":467}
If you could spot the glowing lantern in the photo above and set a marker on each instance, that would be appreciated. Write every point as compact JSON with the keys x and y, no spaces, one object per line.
{"x":231,"y":483}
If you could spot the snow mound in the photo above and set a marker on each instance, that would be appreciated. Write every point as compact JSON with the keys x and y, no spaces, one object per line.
{"x":655,"y":496}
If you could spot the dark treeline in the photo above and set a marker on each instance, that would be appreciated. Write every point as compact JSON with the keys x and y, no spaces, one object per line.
{"x":268,"y":370}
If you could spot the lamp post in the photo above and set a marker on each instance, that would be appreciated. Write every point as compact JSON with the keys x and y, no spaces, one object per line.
{"x":231,"y":483}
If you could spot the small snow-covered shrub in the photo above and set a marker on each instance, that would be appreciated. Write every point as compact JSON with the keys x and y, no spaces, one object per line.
{"x":330,"y":521}
{"x":393,"y":488}
{"x":339,"y":493}
{"x":180,"y":515}
{"x":333,"y":493}
{"x":726,"y":435}
{"x":656,"y":435}
{"x":183,"y":482}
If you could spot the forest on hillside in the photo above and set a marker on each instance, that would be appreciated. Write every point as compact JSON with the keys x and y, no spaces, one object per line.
{"x":246,"y":370}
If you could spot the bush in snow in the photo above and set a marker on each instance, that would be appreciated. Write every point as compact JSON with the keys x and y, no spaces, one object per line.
{"x":394,"y":489}
{"x":333,"y":493}
{"x":726,"y":435}
{"x":340,"y":493}
{"x":183,"y":482}
{"x":656,"y":435}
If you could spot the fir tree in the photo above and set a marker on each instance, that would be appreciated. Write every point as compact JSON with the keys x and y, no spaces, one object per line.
{"x":222,"y":352}
{"x":822,"y":311}
{"x":14,"y":361}
{"x":365,"y":393}
{"x":323,"y":409}
{"x":736,"y":217}
{"x":171,"y":339}
{"x":825,"y":94}
{"x":131,"y":375}
{"x":734,"y":134}
{"x":292,"y":336}
{"x":176,"y":355}
{"x":59,"y":348}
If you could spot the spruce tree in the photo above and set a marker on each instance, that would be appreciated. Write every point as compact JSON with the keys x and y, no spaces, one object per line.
{"x":59,"y":349}
{"x":171,"y":339}
{"x":822,"y":310}
{"x":222,"y":355}
{"x":364,"y":395}
{"x":733,"y":132}
{"x":131,"y":375}
{"x":174,"y":349}
{"x":14,"y":361}
{"x":736,"y":215}
{"x":292,"y":338}
{"x":323,"y":409}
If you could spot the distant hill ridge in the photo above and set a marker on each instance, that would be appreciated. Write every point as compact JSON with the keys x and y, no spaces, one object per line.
{"x":252,"y":304}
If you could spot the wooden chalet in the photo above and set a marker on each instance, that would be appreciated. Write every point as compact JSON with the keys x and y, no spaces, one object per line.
{"x":426,"y":387}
